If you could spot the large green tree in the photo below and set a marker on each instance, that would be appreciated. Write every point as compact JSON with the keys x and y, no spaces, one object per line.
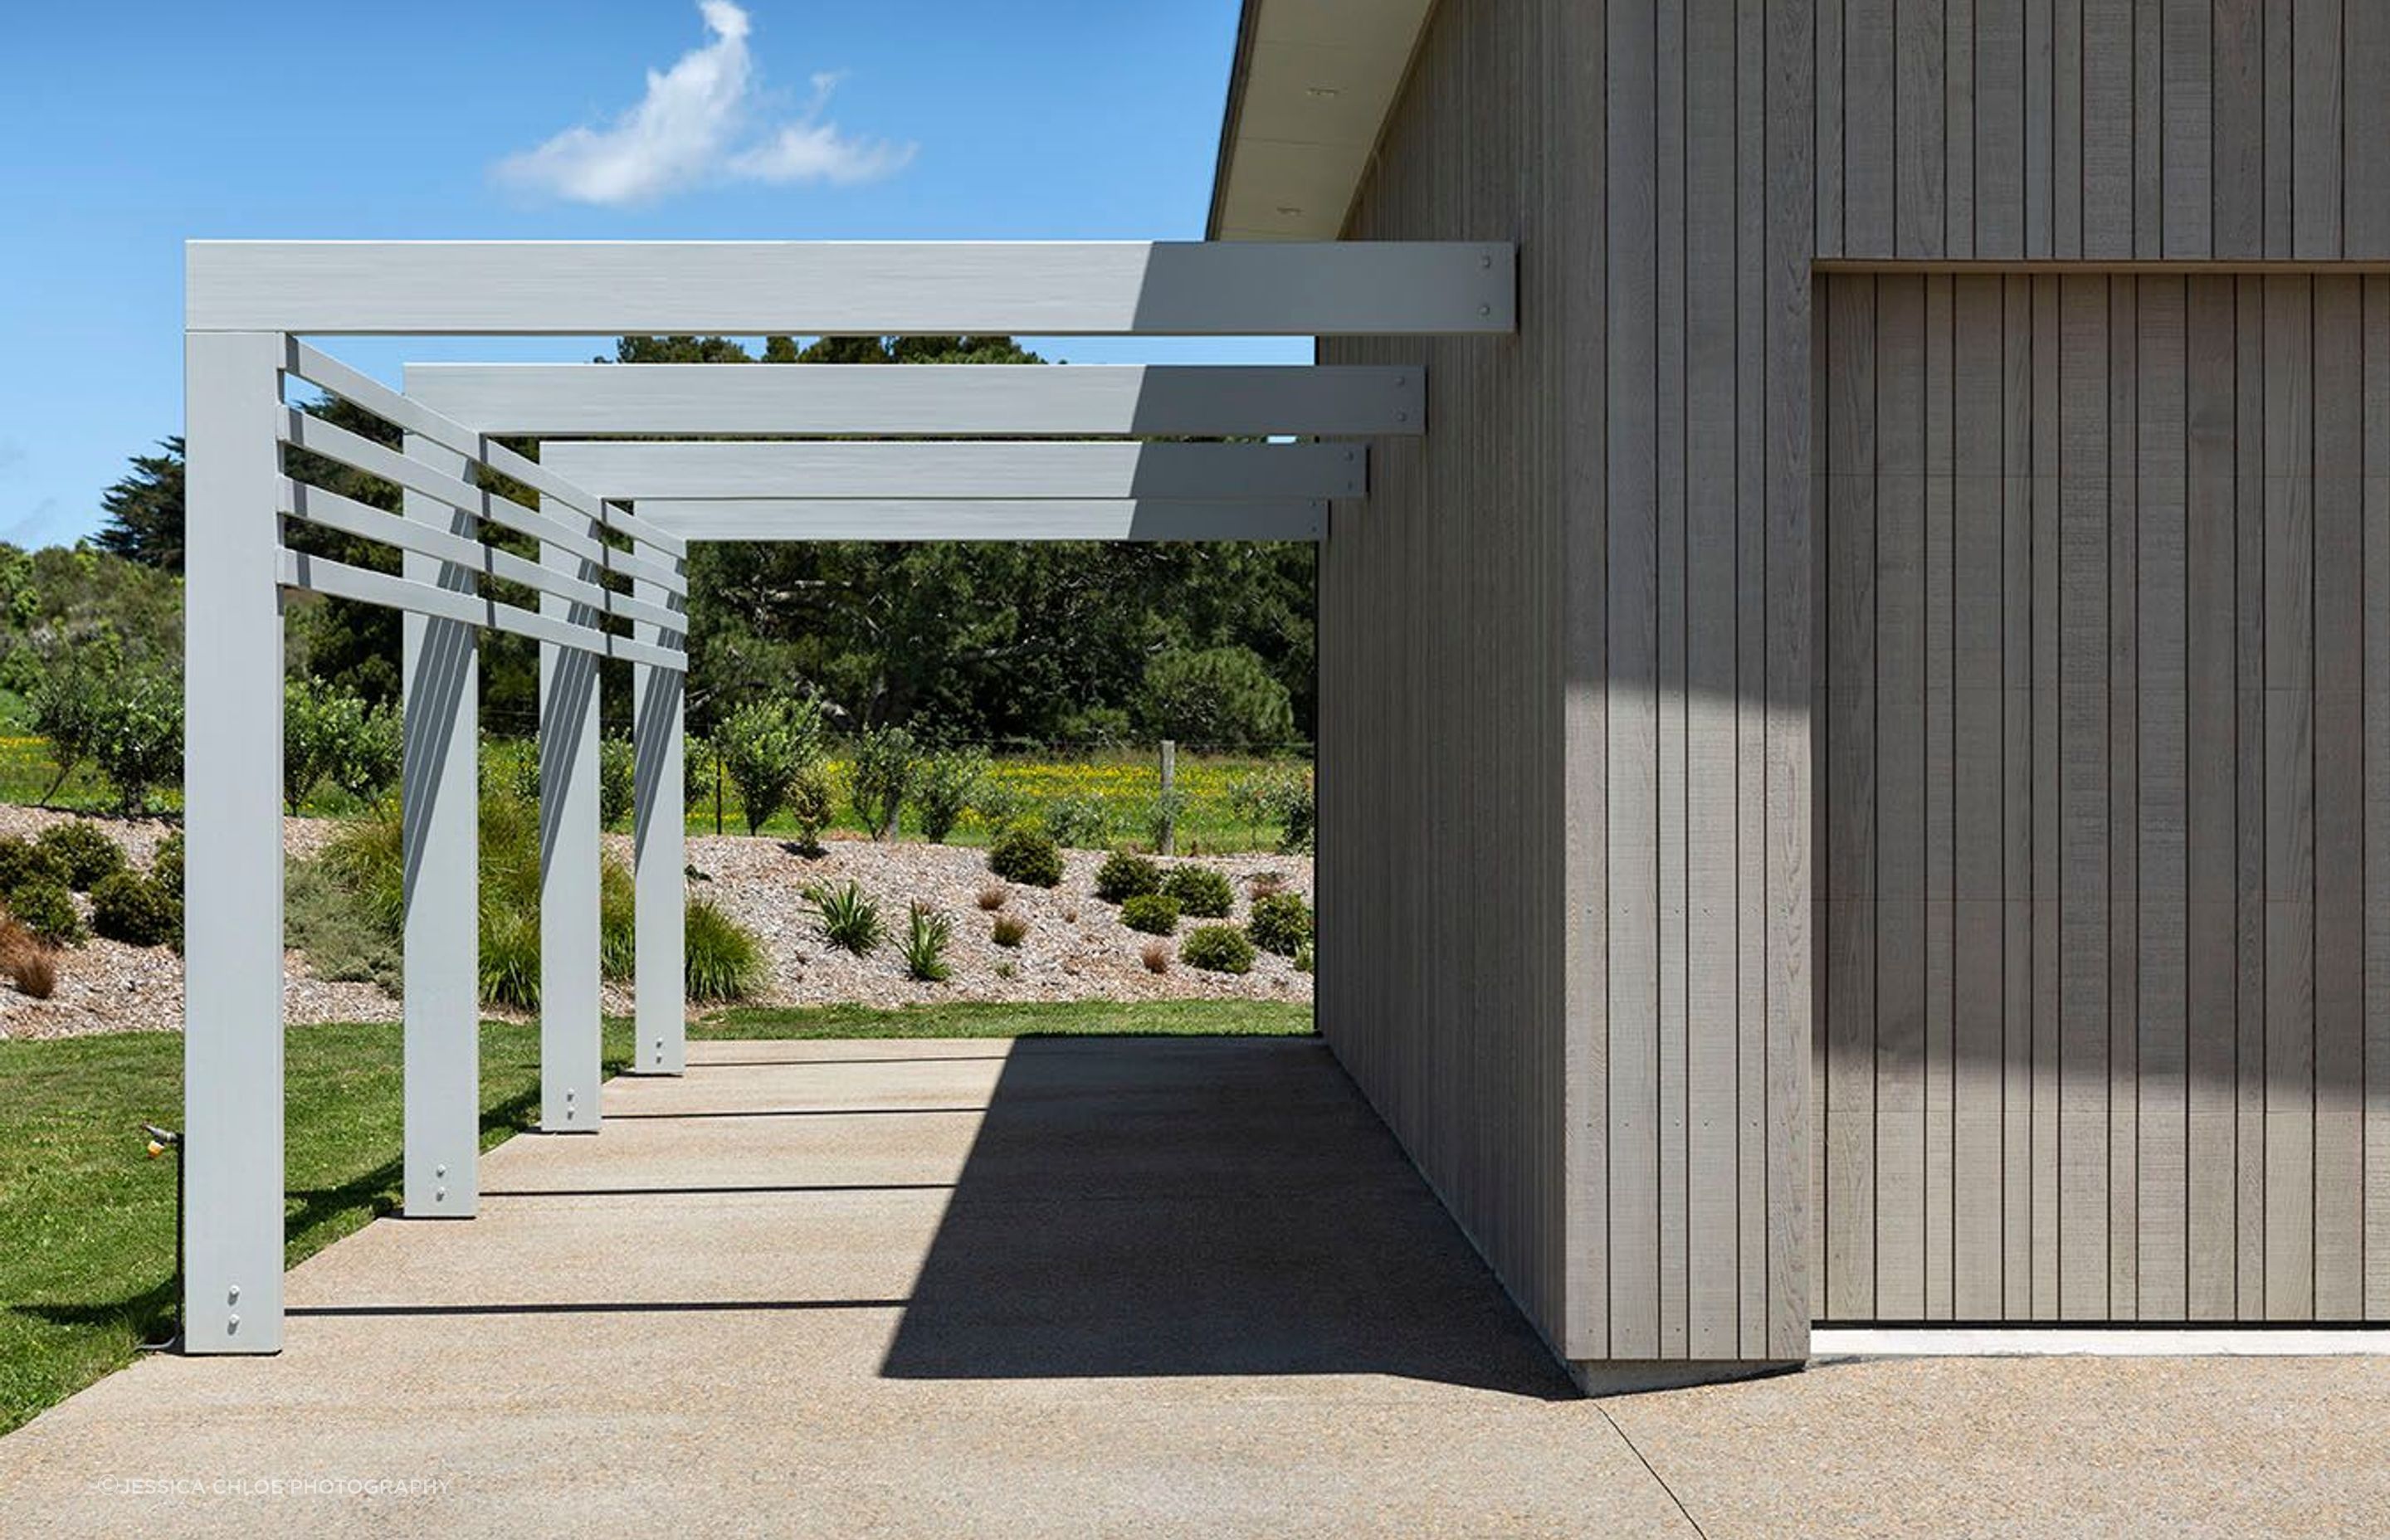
{"x":998,"y":641}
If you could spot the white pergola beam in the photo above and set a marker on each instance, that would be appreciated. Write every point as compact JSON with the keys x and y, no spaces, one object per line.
{"x":735,"y":468}
{"x":861,"y":287}
{"x":1017,"y":518}
{"x":1066,"y":400}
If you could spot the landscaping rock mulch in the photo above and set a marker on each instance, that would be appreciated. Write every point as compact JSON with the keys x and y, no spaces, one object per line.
{"x":1075,"y":947}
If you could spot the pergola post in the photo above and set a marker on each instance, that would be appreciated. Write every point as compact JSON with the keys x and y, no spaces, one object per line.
{"x":660,"y":863}
{"x":439,"y":804}
{"x":232,"y":883}
{"x":570,"y":1048}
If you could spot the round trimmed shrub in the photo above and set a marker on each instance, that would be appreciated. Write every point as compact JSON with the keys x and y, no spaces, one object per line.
{"x":47,"y":909}
{"x":1026,"y":854}
{"x":1125,"y":875}
{"x":134,"y":909}
{"x":1155,"y":913}
{"x":85,"y":850}
{"x":22,"y":862}
{"x":1280,"y":923}
{"x":1201,"y":892}
{"x":1218,"y":949}
{"x":166,"y":861}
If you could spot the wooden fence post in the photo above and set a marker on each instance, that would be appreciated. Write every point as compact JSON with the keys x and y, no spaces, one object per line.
{"x":1169,"y":832}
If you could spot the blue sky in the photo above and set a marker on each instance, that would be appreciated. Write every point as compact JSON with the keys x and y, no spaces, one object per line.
{"x":127,"y":130}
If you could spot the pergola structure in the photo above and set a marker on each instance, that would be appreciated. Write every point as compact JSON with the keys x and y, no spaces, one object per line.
{"x":612,"y":523}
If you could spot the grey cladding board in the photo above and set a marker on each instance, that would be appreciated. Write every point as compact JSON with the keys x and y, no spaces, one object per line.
{"x":2189,"y":1029}
{"x":1603,"y":550}
{"x":2102,"y":129}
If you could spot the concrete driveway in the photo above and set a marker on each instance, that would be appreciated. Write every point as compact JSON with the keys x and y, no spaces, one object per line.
{"x":1083,"y":1286}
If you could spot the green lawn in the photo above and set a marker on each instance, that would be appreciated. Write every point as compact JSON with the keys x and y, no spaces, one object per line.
{"x":86,"y":1222}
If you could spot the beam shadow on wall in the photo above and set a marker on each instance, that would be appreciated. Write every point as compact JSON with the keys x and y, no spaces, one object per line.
{"x":1201,"y":1206}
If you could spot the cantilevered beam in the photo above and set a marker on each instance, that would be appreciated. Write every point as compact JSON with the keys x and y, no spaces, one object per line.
{"x":748,"y":288}
{"x":995,"y":519}
{"x":746,"y":467}
{"x":927,"y":400}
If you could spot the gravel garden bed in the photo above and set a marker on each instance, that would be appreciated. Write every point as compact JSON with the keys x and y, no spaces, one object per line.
{"x":1073,"y":948}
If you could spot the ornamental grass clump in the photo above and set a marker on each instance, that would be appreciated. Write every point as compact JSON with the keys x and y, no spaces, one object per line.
{"x":927,"y":934}
{"x":1125,"y":875}
{"x":1008,"y":930}
{"x":848,"y":919}
{"x":31,"y":963}
{"x":1201,"y":892}
{"x":721,"y":960}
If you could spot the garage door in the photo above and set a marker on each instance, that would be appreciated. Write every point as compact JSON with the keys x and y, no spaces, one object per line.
{"x":2103,"y":1029}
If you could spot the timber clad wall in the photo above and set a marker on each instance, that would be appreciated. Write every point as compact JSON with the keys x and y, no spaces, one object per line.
{"x":1441,"y":949}
{"x":2102,"y":130}
{"x":2106,"y":772}
{"x":2095,"y":570}
{"x":1571,"y":627}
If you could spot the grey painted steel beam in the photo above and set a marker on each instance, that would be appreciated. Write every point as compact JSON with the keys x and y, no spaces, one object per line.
{"x":740,"y":468}
{"x":660,"y":872}
{"x":414,"y":417}
{"x":232,"y":883}
{"x":570,"y":1056}
{"x":861,"y":287}
{"x":922,"y":400}
{"x":439,"y":804}
{"x":1029,"y":519}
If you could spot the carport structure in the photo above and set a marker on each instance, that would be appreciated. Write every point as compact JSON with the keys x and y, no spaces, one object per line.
{"x":612,"y":525}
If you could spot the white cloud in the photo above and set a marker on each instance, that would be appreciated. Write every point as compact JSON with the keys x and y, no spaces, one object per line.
{"x":696,"y":125}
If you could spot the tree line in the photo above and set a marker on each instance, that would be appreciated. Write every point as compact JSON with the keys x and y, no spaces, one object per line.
{"x":991,"y":643}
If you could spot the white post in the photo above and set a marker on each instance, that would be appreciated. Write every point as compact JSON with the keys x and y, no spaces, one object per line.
{"x":438,"y":800}
{"x":661,"y":864}
{"x":232,"y":882}
{"x":570,"y":1046}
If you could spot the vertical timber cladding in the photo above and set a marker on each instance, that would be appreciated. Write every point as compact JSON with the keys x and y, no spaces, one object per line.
{"x":1565,"y":693}
{"x":1588,"y":591}
{"x":2105,"y":760}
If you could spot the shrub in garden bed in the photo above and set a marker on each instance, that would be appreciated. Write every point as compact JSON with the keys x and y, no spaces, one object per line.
{"x":137,"y":910}
{"x":848,"y":919}
{"x":49,"y":910}
{"x":1280,"y":923}
{"x":1155,"y":913}
{"x":926,"y":937}
{"x":720,"y":961}
{"x":21,"y":861}
{"x":1201,"y":892}
{"x":1027,"y":853}
{"x":1218,"y":949}
{"x":1125,"y":875}
{"x":84,"y":851}
{"x":166,"y":861}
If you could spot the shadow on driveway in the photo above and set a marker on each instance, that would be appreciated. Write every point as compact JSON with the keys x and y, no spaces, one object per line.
{"x":1201,"y":1206}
